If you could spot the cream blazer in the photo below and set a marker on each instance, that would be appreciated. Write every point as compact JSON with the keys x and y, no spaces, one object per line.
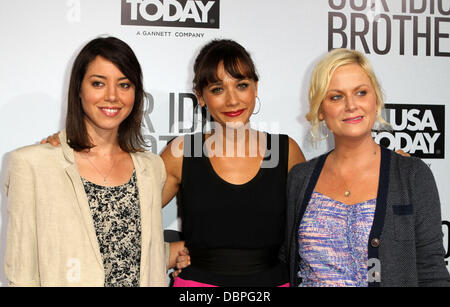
{"x":51,"y":239}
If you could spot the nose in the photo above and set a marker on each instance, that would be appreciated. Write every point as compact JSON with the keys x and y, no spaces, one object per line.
{"x":111,"y":93}
{"x":350,"y":103}
{"x":232,"y":98}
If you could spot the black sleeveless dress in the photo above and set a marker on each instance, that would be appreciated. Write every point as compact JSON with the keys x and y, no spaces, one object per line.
{"x":234,"y":232}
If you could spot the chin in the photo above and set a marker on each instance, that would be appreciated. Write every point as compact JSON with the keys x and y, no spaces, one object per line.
{"x":357,"y":135}
{"x":106,"y":127}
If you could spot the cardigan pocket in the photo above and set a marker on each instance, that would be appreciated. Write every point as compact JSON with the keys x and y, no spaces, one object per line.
{"x":403,"y":222}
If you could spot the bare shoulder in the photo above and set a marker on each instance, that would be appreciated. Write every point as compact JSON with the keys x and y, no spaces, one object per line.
{"x":172,"y":156}
{"x":295,"y":154}
{"x":174,"y":150}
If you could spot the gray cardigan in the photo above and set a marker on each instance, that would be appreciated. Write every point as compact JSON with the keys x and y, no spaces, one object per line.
{"x":405,"y":246}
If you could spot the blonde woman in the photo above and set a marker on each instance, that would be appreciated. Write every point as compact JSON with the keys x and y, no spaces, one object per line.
{"x":360,"y":215}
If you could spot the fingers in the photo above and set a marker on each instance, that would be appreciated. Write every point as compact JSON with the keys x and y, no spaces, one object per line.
{"x":52,"y":140}
{"x":183,"y":252}
{"x":176,"y":273}
{"x":401,"y":152}
{"x":183,"y":262}
{"x":183,"y":259}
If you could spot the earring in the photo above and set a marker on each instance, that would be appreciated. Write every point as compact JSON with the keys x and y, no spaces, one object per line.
{"x":259,"y":109}
{"x":321,"y":128}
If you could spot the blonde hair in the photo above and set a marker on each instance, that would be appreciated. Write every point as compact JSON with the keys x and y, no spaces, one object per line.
{"x":320,"y":81}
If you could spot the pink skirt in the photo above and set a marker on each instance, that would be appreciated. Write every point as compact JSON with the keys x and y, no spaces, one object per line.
{"x":179,"y":282}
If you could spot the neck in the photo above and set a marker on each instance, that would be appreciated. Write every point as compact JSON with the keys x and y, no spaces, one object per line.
{"x":350,"y":151}
{"x":105,"y":141}
{"x":242,"y":141}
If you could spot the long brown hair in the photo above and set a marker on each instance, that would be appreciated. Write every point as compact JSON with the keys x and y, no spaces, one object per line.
{"x":120,"y":54}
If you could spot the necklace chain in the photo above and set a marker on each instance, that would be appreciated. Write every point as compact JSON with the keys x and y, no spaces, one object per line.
{"x":100,"y":173}
{"x":347,"y":191}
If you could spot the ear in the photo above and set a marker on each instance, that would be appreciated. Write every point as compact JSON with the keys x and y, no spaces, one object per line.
{"x":321,"y":115}
{"x":200,"y":99}
{"x":256,"y":88}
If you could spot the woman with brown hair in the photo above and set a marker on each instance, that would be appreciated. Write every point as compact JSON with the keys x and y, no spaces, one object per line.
{"x":231,"y":179}
{"x":88,"y":213}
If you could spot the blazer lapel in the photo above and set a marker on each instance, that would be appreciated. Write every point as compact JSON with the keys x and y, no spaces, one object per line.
{"x":82,"y":201}
{"x":144,"y":184}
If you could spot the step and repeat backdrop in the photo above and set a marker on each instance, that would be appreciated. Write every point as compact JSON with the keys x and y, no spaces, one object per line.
{"x":407,"y":41}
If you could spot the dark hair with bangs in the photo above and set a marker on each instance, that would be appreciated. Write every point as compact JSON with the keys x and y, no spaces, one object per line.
{"x":120,"y":54}
{"x":236,"y":61}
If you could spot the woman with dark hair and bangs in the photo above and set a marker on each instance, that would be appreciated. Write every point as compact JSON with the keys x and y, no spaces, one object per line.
{"x":88,"y":212}
{"x":231,"y":179}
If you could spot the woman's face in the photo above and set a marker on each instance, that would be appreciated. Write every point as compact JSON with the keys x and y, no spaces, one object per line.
{"x":230,"y":101}
{"x":107,"y":96}
{"x":350,"y":105}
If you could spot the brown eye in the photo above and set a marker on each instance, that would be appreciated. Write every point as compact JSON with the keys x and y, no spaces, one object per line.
{"x":216,"y":90}
{"x":243,"y":85}
{"x":125,"y":85}
{"x":97,"y":84}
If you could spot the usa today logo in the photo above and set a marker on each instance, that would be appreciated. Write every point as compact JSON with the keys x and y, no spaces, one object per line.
{"x":416,"y":129}
{"x":171,"y":13}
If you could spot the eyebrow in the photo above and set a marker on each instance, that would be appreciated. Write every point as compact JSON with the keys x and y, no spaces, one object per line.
{"x":220,"y":82}
{"x":339,"y":91}
{"x":215,"y":83}
{"x":103,"y":77}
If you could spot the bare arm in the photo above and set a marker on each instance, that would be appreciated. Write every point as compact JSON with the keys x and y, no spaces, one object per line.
{"x":172,"y":156}
{"x":295,"y":154}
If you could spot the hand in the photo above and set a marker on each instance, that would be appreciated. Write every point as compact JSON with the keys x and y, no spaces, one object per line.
{"x":52,"y":140}
{"x":401,"y":152}
{"x":183,"y":261}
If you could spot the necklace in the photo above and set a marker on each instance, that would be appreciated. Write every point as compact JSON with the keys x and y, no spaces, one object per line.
{"x":347,"y":191}
{"x":100,"y":173}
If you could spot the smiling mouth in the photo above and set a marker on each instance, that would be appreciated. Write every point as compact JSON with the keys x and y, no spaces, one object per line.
{"x":234,"y":113}
{"x":110,"y":112}
{"x":353,"y":120}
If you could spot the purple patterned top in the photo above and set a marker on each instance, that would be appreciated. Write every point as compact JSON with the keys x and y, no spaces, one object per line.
{"x":333,"y":239}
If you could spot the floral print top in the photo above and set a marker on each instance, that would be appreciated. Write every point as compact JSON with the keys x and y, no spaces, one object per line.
{"x":117,"y":221}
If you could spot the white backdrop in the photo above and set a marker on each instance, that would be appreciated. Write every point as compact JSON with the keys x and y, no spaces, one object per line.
{"x":407,"y":42}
